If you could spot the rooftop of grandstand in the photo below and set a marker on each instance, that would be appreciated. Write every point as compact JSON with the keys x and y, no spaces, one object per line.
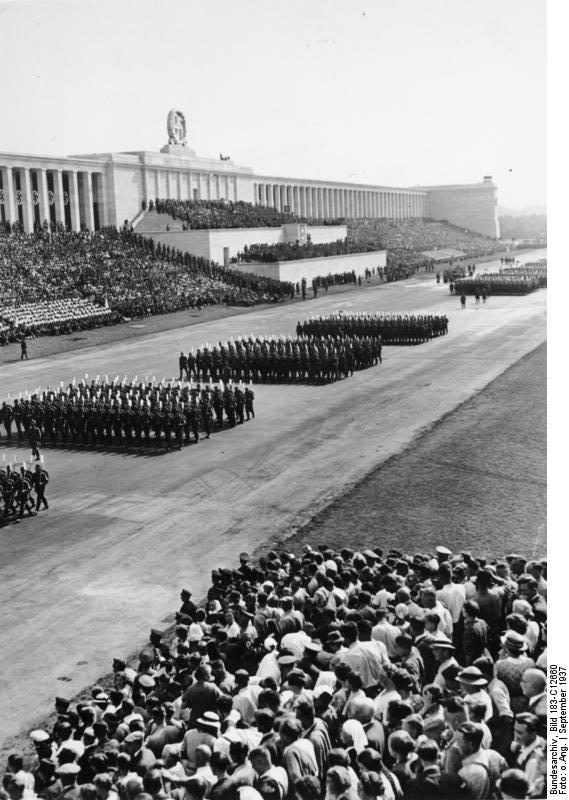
{"x":374,"y":673}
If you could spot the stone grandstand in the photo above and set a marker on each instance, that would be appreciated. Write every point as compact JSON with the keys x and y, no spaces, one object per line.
{"x":121,"y":275}
{"x":55,"y":283}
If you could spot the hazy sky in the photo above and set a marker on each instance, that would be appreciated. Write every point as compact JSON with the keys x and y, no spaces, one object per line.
{"x":395,"y":92}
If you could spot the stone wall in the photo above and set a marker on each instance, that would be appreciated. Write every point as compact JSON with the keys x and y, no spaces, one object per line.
{"x":212,"y":243}
{"x":468,"y":206}
{"x":310,"y":268}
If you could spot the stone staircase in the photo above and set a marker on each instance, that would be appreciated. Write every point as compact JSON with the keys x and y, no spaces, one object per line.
{"x":153,"y":222}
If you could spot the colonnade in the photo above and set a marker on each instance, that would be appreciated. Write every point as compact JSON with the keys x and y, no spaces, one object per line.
{"x":31,"y":196}
{"x":189,"y":185}
{"x":326,"y":202}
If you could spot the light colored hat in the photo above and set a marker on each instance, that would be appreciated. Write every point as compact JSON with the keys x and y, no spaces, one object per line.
{"x":38,"y":736}
{"x":196,"y":632}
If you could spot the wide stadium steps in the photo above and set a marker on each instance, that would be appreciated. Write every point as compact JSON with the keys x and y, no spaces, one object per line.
{"x":153,"y":222}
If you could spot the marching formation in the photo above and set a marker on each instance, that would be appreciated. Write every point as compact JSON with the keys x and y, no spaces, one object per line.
{"x":118,"y":412}
{"x":391,"y":328}
{"x":16,"y":485}
{"x":516,"y":280}
{"x":280,"y":359}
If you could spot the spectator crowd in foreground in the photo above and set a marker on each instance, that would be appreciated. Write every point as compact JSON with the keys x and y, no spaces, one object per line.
{"x":331,"y":674}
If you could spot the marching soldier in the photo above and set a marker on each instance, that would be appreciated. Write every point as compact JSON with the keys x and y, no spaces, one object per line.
{"x":194,"y":419}
{"x":23,"y":489}
{"x":168,"y":423}
{"x":239,"y":405}
{"x":183,"y":364}
{"x":17,"y":412}
{"x":40,"y":479}
{"x":218,"y":406}
{"x":207,"y":416}
{"x":35,"y":440}
{"x":7,"y":415}
{"x":178,"y":425}
{"x":249,"y":397}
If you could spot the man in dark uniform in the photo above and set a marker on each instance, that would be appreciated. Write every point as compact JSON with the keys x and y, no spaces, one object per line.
{"x":17,"y":412}
{"x":218,"y":406}
{"x":168,"y":423}
{"x":178,"y":425}
{"x":157,"y":424}
{"x":207,"y":415}
{"x":249,"y":397}
{"x":24,"y":349}
{"x":194,"y":419}
{"x":35,"y":439}
{"x":23,"y":490}
{"x":183,"y":364}
{"x":40,"y":480}
{"x":7,"y":414}
{"x":239,"y":405}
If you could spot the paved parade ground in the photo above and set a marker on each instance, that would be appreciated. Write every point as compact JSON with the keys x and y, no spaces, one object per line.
{"x":126,"y":530}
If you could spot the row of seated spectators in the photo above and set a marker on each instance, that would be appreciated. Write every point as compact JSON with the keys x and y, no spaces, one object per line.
{"x":53,"y":316}
{"x":204,"y":214}
{"x":292,"y":251}
{"x":121,"y":270}
{"x":332,"y":673}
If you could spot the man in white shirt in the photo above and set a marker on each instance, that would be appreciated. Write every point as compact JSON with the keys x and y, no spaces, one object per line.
{"x":264,"y":768}
{"x":528,"y":748}
{"x":385,"y":632}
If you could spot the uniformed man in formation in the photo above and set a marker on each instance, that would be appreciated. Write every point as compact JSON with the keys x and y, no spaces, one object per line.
{"x":16,"y":485}
{"x":508,"y":281}
{"x":280,"y":359}
{"x":392,"y":328}
{"x":115,"y":412}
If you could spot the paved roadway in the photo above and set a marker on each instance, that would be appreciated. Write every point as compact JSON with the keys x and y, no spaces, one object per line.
{"x":85,"y":581}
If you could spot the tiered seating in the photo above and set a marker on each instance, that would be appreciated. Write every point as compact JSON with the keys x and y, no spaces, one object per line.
{"x":204,"y":214}
{"x":120,"y":270}
{"x":292,"y":251}
{"x":62,"y":314}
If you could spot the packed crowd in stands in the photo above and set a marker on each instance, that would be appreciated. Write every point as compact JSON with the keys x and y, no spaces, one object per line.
{"x":127,"y":412}
{"x":55,"y":316}
{"x":292,"y":251}
{"x":203,"y":214}
{"x":391,"y":328}
{"x":280,"y":359}
{"x":328,"y":674}
{"x":412,"y":243}
{"x":117,"y":270}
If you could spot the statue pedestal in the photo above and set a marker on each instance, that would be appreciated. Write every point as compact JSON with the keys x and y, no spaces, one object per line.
{"x":178,"y":150}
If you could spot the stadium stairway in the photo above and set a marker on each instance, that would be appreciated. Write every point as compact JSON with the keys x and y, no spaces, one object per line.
{"x":153,"y":222}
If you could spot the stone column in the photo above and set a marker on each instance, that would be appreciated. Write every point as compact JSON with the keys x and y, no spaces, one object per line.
{"x":9,"y":194}
{"x":43,"y":197}
{"x":58,"y":196}
{"x":74,"y":201}
{"x":88,"y":200}
{"x":27,"y":199}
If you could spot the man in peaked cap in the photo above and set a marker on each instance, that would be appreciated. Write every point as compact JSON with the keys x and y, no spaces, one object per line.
{"x":67,"y":775}
{"x":141,"y":758}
